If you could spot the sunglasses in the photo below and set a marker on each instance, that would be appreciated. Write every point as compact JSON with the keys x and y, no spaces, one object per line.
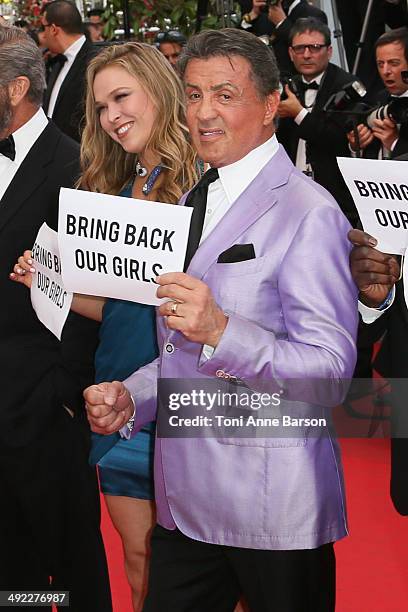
{"x":171,"y":36}
{"x":314,"y":48}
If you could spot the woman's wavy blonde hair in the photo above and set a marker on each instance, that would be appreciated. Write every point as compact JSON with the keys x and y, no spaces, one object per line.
{"x":106,"y":167}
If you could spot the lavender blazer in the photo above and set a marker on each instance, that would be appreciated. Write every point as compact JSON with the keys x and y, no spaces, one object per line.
{"x":292,"y":314}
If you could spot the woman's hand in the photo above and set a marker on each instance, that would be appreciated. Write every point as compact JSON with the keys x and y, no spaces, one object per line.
{"x":23,"y":270}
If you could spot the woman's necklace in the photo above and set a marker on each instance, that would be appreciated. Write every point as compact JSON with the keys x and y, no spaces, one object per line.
{"x":151,"y":179}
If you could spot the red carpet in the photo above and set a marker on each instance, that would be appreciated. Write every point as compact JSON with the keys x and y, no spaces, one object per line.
{"x":372,"y":563}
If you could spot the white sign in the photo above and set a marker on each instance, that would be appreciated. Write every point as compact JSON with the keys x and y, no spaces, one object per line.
{"x":380,"y":193}
{"x":49,"y":297}
{"x":115,"y":247}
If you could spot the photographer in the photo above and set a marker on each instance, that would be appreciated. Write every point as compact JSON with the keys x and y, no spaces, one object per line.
{"x":391,"y":13}
{"x":170,"y":44}
{"x":384,"y":137}
{"x":312,"y":138}
{"x":276,"y":18}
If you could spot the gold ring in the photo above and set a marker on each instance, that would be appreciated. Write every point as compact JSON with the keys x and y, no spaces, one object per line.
{"x":174,"y":308}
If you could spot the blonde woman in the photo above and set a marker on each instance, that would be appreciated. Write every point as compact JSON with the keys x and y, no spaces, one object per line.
{"x":135,"y":144}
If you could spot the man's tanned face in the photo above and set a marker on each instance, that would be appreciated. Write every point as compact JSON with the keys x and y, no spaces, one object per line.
{"x":226,"y":115}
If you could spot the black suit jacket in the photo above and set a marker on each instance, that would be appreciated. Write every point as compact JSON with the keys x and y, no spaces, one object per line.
{"x":69,"y":108}
{"x":38,"y":374}
{"x":392,"y":363}
{"x":280,"y":35}
{"x":325,"y":138}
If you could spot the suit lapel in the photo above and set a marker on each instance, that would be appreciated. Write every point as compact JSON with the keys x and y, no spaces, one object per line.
{"x":325,"y":88}
{"x":248,"y":208}
{"x":73,"y":74}
{"x":33,"y":169}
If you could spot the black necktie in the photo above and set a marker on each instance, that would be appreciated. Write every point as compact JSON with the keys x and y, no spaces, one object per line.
{"x":312,"y":85}
{"x":197,"y":198}
{"x":8,"y":148}
{"x":57,"y":63}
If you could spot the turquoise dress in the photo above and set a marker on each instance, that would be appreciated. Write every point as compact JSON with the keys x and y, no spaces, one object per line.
{"x":127,"y":341}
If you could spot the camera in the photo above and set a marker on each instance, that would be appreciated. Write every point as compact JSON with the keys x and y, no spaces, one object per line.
{"x":397,"y":110}
{"x":289,"y":81}
{"x":345,"y":99}
{"x":269,"y":3}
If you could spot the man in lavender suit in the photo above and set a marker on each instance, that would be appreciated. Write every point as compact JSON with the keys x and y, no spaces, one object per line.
{"x":267,"y":295}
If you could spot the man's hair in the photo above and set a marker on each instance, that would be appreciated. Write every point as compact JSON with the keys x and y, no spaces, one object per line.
{"x":231,"y":42}
{"x":64,"y":14}
{"x":399,"y":35}
{"x":19,"y":56}
{"x":310,"y":24}
{"x":95,"y":13}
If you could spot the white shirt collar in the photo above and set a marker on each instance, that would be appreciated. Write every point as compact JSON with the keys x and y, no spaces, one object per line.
{"x":74,"y":49}
{"x":26,"y":136}
{"x":403,"y":95}
{"x":236,"y":177}
{"x":293,"y":5}
{"x":317,"y":79}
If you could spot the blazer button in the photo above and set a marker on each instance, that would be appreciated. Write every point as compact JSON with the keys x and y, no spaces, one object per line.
{"x":169,"y":348}
{"x":220,"y":373}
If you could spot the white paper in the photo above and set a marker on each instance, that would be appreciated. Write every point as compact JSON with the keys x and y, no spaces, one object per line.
{"x":380,"y":193}
{"x":115,"y":247}
{"x":49,"y":297}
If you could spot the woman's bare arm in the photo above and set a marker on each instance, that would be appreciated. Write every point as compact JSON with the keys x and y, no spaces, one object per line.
{"x":89,"y":306}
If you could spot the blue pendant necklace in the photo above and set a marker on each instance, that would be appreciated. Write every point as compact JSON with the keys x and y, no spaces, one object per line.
{"x":151,"y":179}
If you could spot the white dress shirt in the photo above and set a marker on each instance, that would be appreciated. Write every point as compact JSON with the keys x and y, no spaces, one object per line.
{"x":310,"y":99}
{"x":370,"y":315}
{"x":24,"y":138}
{"x":232,"y":182}
{"x":70,"y":54}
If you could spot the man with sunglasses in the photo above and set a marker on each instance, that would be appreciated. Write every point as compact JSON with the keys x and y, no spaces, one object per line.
{"x":171,"y":44}
{"x":63,"y":35}
{"x":312,"y":138}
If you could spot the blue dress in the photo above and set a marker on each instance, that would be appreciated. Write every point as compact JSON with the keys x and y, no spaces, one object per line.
{"x":127,"y":341}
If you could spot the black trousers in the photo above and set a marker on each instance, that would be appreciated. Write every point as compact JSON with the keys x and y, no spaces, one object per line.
{"x":191,"y":576}
{"x":49,"y":518}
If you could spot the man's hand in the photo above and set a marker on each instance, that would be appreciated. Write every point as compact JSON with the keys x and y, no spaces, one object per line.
{"x":290,"y":107}
{"x":365,"y":135}
{"x":257,"y":6}
{"x":386,"y":130}
{"x":193,"y":310}
{"x":374,"y":273}
{"x":276,"y":14}
{"x":109,"y":407}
